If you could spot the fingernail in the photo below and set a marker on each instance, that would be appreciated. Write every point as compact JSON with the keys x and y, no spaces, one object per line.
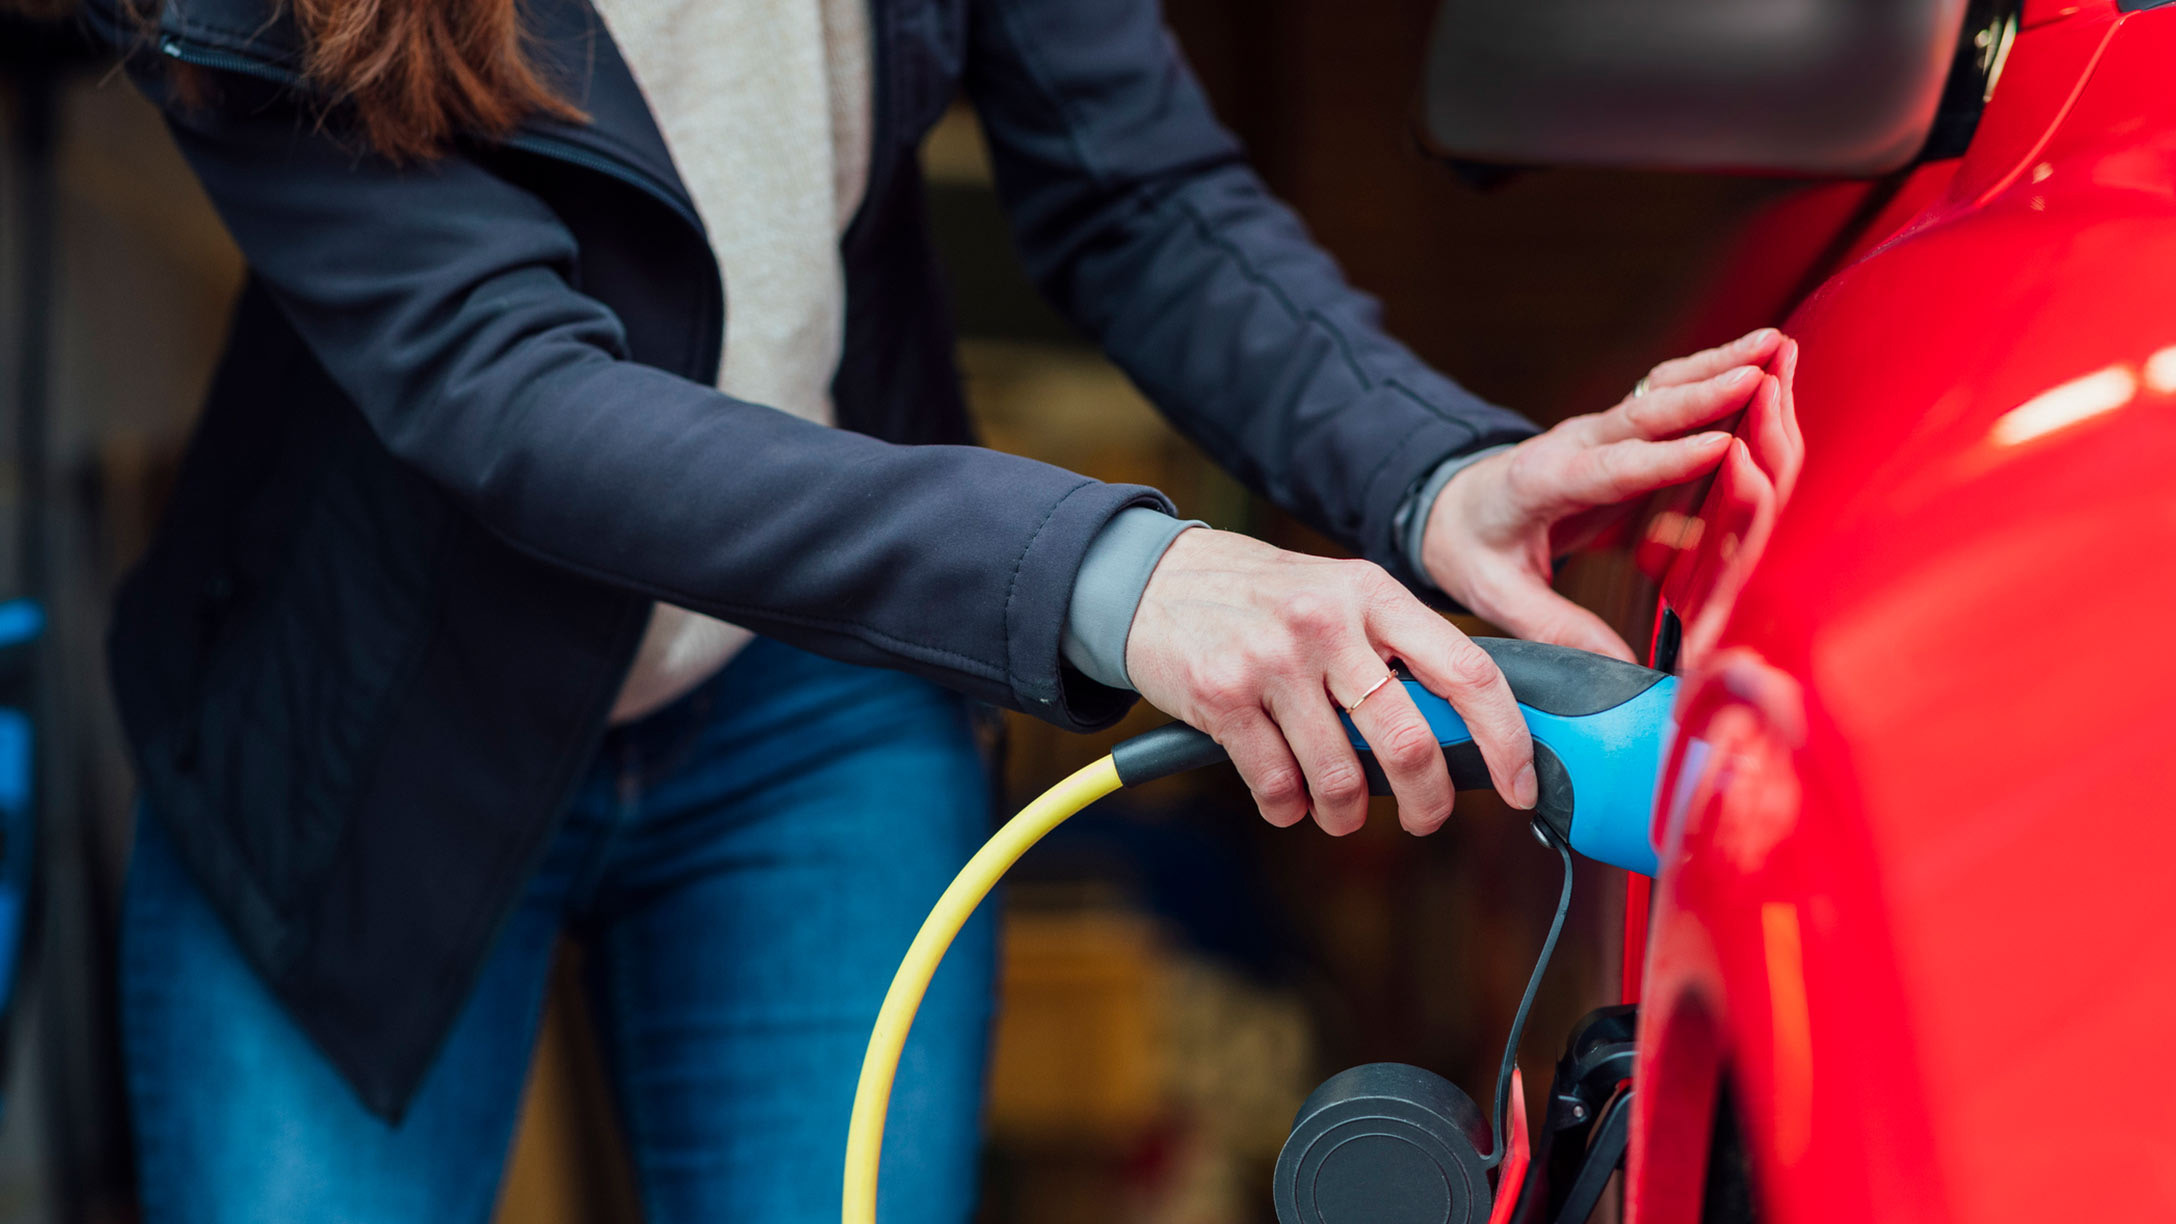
{"x":1760,"y":335}
{"x":1525,"y":791}
{"x":1712,"y":437}
{"x":1739,"y":375}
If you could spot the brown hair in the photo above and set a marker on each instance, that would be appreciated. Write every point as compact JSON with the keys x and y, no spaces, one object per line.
{"x":414,"y":74}
{"x":418,"y":73}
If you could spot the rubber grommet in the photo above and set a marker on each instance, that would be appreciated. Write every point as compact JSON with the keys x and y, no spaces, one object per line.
{"x":1385,"y":1143}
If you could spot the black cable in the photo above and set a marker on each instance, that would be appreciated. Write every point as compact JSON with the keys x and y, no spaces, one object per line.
{"x":1533,"y":987}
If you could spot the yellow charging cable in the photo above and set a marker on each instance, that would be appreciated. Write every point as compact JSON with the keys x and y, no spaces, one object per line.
{"x":872,"y":1099}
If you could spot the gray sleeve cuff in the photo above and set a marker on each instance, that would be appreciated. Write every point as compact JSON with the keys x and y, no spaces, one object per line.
{"x":1108,"y":589}
{"x":1411,"y":521}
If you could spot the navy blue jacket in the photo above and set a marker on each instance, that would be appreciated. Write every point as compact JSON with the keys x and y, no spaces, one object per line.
{"x":466,"y":432}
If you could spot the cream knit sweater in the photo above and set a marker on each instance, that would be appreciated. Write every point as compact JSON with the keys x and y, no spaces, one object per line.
{"x":765,"y":105}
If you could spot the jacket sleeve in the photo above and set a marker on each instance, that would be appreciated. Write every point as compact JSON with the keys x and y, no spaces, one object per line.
{"x":1137,"y":215}
{"x":440,"y":299}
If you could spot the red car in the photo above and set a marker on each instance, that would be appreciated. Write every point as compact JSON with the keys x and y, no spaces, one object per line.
{"x":1904,"y":959}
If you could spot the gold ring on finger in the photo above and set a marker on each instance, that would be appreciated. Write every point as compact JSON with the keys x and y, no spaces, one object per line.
{"x":1387,"y":677}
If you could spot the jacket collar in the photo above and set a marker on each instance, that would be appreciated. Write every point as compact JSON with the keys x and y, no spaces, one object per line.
{"x":570,"y":42}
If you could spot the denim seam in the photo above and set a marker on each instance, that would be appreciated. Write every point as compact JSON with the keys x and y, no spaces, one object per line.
{"x":622,"y":995}
{"x":141,"y":1085}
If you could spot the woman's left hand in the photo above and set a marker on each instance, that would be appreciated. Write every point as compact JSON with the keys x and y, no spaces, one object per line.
{"x":1498,"y":526}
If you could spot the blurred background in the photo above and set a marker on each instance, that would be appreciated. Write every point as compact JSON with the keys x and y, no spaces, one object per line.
{"x":1177,"y":974}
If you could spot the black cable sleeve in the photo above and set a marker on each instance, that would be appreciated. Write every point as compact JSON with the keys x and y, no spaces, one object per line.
{"x":1170,"y":749}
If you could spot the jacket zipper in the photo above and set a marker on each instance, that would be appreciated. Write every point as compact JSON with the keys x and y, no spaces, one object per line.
{"x":529,"y":142}
{"x":225,"y":61}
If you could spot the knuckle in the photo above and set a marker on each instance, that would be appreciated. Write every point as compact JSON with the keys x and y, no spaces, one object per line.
{"x":1373,"y":584}
{"x":1313,"y":611}
{"x":1341,"y":783}
{"x":1472,"y":670}
{"x":1225,"y":688}
{"x":1409,"y":747}
{"x":1276,"y":654}
{"x":1280,"y":787}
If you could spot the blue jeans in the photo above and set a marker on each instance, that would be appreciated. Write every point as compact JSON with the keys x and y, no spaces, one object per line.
{"x":744,"y":870}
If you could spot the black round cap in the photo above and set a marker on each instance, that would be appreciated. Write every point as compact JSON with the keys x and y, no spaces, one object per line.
{"x":1385,"y":1143}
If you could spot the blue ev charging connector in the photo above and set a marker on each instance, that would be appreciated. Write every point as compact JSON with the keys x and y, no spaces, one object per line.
{"x":1600,"y":727}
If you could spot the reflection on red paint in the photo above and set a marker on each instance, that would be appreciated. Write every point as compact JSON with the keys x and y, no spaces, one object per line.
{"x":1518,"y":1154}
{"x":1928,"y":685}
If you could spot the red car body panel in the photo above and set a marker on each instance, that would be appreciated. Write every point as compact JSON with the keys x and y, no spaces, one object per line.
{"x":1908,"y":909}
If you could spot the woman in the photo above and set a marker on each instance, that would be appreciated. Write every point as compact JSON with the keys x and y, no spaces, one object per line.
{"x":517,"y":585}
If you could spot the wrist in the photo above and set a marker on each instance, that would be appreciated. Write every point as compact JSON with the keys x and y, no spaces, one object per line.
{"x":1442,"y":513}
{"x":1108,"y":588}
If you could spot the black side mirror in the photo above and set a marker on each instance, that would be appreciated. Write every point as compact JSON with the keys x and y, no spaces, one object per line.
{"x":1804,"y":87}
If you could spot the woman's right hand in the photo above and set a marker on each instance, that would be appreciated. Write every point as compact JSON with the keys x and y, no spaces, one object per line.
{"x":1261,"y":648}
